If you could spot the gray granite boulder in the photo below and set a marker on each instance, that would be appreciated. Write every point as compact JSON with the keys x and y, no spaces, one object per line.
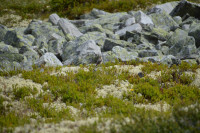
{"x":170,"y":60}
{"x":99,"y":28}
{"x":7,"y":49}
{"x":123,"y":55}
{"x":164,"y":21}
{"x":181,"y":45}
{"x":147,"y":53}
{"x":54,"y":18}
{"x":109,"y":44}
{"x":48,"y":59}
{"x":143,"y":19}
{"x":6,"y":65}
{"x":94,"y":14}
{"x":107,"y":21}
{"x":68,"y":28}
{"x":166,"y":8}
{"x":86,"y":53}
{"x":130,"y":21}
{"x":39,"y":28}
{"x":134,"y":27}
{"x":184,"y":7}
{"x":56,"y":46}
{"x":15,"y":39}
{"x":3,"y":30}
{"x":195,"y":32}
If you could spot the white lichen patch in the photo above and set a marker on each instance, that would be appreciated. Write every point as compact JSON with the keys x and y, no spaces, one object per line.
{"x":12,"y":20}
{"x":62,"y":127}
{"x":67,"y":126}
{"x":130,"y":68}
{"x":116,"y":90}
{"x":161,"y":107}
{"x":154,"y":75}
{"x":197,"y":79}
{"x":64,"y":70}
{"x":7,"y":83}
{"x":192,"y":106}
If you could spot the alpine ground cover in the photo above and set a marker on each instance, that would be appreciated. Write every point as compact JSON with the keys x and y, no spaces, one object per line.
{"x":167,"y":103}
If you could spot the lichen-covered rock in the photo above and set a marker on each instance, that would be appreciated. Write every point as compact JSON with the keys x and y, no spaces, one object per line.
{"x":3,"y":30}
{"x":86,"y":53}
{"x":56,"y":46}
{"x":166,"y":8}
{"x":109,"y":44}
{"x":123,"y":55}
{"x":130,"y":21}
{"x":170,"y":60}
{"x":177,"y":19}
{"x":15,"y":39}
{"x":7,"y":49}
{"x":6,"y":65}
{"x":147,"y":53}
{"x":160,"y":34}
{"x":143,"y":19}
{"x":107,"y":21}
{"x":48,"y":59}
{"x":181,"y":44}
{"x":69,"y":28}
{"x":98,"y":28}
{"x":94,"y":14}
{"x":163,"y":21}
{"x":134,"y":27}
{"x":195,"y":32}
{"x":39,"y":28}
{"x":185,"y":7}
{"x":11,"y":57}
{"x":54,"y":18}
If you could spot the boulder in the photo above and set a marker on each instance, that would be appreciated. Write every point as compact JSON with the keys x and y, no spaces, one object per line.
{"x":184,"y":7}
{"x":134,"y":27}
{"x":6,"y":65}
{"x":147,"y":53}
{"x":15,"y":39}
{"x":99,"y":28}
{"x":107,"y":21}
{"x":48,"y":59}
{"x":94,"y":14}
{"x":54,"y":18}
{"x":170,"y":60}
{"x":195,"y":32}
{"x":56,"y":46}
{"x":11,"y":57}
{"x":123,"y":55}
{"x":129,"y":21}
{"x":86,"y":53}
{"x":109,"y":44}
{"x":177,"y":19}
{"x":164,"y":21}
{"x":39,"y":28}
{"x":166,"y":8}
{"x":143,"y":19}
{"x":181,"y":45}
{"x":7,"y":49}
{"x":69,"y":28}
{"x":3,"y":30}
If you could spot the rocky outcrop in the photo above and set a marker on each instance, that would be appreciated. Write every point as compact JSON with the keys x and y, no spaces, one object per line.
{"x":167,"y":33}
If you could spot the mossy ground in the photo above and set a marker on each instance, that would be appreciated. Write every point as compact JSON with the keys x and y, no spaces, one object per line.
{"x":167,"y":103}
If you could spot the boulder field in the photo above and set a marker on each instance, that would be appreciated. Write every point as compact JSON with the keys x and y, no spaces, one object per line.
{"x":167,"y":33}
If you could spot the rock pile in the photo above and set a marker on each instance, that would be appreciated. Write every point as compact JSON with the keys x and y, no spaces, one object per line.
{"x":167,"y":33}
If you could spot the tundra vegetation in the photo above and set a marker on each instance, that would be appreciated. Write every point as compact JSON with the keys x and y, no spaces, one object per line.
{"x":79,"y":89}
{"x":71,"y":9}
